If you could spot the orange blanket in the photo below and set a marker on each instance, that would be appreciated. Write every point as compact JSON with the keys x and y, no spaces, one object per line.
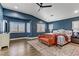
{"x":52,"y":36}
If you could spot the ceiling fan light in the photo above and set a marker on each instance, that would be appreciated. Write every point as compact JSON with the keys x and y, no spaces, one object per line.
{"x":76,"y":11}
{"x":15,"y":7}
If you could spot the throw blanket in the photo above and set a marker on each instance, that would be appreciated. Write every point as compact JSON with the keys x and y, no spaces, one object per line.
{"x":50,"y":36}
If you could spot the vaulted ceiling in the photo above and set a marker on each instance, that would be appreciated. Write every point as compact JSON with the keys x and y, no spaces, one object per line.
{"x":58,"y":11}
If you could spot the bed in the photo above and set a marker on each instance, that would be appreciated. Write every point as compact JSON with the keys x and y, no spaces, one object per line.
{"x":58,"y":37}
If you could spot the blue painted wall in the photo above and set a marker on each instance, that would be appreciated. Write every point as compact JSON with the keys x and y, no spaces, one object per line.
{"x":64,"y":24}
{"x":11,"y":15}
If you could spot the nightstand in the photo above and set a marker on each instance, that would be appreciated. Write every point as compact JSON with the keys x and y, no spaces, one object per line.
{"x":75,"y":40}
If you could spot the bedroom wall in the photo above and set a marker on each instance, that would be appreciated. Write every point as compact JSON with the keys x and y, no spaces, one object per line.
{"x":11,"y":15}
{"x":64,"y":24}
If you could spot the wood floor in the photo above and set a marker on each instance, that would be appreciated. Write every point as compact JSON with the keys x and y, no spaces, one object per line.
{"x":19,"y":48}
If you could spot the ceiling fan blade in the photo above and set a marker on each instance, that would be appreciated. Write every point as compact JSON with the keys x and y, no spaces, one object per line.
{"x":38,"y":4}
{"x":47,"y":6}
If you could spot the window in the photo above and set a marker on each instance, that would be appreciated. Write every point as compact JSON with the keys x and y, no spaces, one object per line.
{"x":21,"y":27}
{"x":75,"y":26}
{"x":4,"y":25}
{"x":1,"y":26}
{"x":28,"y":27}
{"x":40,"y":27}
{"x":50,"y":27}
{"x":13,"y":27}
{"x":17,"y":27}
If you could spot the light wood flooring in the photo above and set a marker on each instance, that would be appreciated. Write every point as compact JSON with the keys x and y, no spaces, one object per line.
{"x":19,"y":48}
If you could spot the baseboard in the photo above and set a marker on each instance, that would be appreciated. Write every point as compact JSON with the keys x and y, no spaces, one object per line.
{"x":24,"y":38}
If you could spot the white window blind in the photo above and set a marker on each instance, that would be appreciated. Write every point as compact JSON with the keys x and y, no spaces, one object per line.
{"x":40,"y":27}
{"x":1,"y":26}
{"x":28,"y":27}
{"x":21,"y":27}
{"x":75,"y":26}
{"x":17,"y":27}
{"x":50,"y":27}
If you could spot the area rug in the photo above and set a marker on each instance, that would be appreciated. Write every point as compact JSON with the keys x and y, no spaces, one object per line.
{"x":70,"y":49}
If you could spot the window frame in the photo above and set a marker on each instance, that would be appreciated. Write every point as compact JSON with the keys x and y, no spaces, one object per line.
{"x":17,"y":24}
{"x":42,"y":27}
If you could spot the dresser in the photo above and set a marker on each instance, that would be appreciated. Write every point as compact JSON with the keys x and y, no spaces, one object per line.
{"x":4,"y":40}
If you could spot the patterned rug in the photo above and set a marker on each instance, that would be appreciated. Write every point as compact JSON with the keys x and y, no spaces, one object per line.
{"x":70,"y":49}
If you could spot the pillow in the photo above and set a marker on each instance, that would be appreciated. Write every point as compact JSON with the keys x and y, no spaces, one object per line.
{"x":75,"y":34}
{"x":68,"y":32}
{"x":55,"y":31}
{"x":61,"y":31}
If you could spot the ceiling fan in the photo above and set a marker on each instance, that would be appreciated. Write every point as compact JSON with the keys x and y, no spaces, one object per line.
{"x":43,"y":6}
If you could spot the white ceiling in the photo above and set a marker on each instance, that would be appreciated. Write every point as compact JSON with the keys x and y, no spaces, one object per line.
{"x":58,"y":10}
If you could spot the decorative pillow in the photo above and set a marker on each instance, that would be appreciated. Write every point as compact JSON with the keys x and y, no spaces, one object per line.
{"x":75,"y":34}
{"x":61,"y":31}
{"x":68,"y":32}
{"x":55,"y":31}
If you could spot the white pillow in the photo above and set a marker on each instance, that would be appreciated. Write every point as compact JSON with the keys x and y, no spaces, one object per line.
{"x":68,"y":32}
{"x":61,"y":31}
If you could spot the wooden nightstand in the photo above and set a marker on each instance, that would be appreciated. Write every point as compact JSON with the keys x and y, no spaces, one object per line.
{"x":75,"y":40}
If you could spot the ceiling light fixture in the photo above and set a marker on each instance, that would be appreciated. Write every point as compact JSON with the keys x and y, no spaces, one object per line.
{"x":15,"y":7}
{"x":76,"y":11}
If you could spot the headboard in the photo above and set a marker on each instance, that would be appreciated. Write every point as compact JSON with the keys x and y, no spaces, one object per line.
{"x":63,"y":31}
